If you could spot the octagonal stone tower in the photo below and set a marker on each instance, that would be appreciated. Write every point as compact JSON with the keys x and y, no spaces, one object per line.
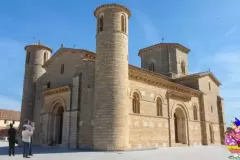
{"x":36,"y":56}
{"x":110,"y":131}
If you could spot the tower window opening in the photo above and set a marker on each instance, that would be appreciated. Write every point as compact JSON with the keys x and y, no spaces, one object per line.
{"x":28,"y":58}
{"x":45,"y":57}
{"x":62,"y":68}
{"x":209,"y":86}
{"x":159,"y":107}
{"x":123,"y":23}
{"x":100,"y":23}
{"x":136,"y":103}
{"x":151,"y":67}
{"x":49,"y":85}
{"x":183,"y":67}
{"x":195,"y":112}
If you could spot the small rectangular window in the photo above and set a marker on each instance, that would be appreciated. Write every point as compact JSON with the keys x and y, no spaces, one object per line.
{"x":49,"y":85}
{"x":5,"y":121}
{"x":209,"y":86}
{"x":62,"y":68}
{"x":13,"y":122}
{"x":28,"y":58}
{"x":45,"y":57}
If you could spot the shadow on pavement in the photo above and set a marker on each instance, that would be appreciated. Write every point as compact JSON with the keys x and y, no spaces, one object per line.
{"x":43,"y":150}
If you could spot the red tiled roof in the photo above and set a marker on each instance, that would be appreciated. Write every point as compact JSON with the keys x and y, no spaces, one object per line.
{"x":9,"y":115}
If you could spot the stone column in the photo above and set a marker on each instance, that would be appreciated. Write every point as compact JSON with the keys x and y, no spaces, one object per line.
{"x":74,"y":110}
{"x":50,"y":128}
{"x":45,"y":121}
{"x":66,"y":129}
{"x":172,"y":132}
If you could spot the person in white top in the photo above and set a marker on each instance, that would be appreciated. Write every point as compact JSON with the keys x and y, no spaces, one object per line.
{"x":30,"y":126}
{"x":26,"y":138}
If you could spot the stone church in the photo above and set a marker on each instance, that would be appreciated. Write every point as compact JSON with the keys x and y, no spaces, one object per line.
{"x":96,"y":100}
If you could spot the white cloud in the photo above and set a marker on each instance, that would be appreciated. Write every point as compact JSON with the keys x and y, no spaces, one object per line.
{"x":231,"y":31}
{"x":151,"y":33}
{"x":228,"y":62}
{"x":10,"y":48}
{"x":9,"y":103}
{"x":16,"y":91}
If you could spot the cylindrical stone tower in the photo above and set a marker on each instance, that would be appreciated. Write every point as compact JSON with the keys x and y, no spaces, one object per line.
{"x":111,"y":129}
{"x":36,"y":56}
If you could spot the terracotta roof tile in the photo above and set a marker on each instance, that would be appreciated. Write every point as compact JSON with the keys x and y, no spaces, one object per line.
{"x":10,"y":115}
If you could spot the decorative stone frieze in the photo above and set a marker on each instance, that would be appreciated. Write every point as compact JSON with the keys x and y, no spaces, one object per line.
{"x":57,"y":90}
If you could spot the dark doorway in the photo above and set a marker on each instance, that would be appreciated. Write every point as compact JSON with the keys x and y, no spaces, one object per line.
{"x":59,"y":125}
{"x":61,"y":129}
{"x":176,"y":128}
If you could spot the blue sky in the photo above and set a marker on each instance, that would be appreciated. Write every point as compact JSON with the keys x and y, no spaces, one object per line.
{"x":210,"y":28}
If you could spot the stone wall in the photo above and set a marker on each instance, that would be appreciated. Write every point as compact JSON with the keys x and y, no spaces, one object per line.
{"x":210,"y":104}
{"x":147,"y":130}
{"x":85,"y":136}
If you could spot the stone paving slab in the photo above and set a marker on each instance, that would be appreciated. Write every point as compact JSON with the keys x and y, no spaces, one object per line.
{"x":173,"y":153}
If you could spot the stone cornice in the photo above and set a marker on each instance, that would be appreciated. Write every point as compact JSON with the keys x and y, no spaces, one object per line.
{"x":125,"y":9}
{"x":199,"y":75}
{"x":156,"y":79}
{"x":57,"y":90}
{"x":156,"y":46}
{"x":147,"y":77}
{"x":39,"y":46}
{"x":143,"y":75}
{"x":179,"y":95}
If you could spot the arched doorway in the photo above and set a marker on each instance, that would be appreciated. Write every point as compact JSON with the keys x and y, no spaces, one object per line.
{"x":180,"y":126}
{"x":211,"y":133}
{"x":56,"y":129}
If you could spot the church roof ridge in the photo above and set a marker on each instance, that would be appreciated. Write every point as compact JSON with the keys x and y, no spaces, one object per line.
{"x":62,"y":50}
{"x":112,"y":5}
{"x":198,"y":75}
{"x":177,"y":45}
{"x":38,"y":45}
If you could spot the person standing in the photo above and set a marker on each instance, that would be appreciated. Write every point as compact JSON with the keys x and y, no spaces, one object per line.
{"x":11,"y":140}
{"x":30,"y":147}
{"x":26,"y":138}
{"x":30,"y":126}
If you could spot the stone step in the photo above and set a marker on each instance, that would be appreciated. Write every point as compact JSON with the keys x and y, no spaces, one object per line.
{"x":180,"y":145}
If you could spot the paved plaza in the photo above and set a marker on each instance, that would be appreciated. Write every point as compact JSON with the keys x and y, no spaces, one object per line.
{"x":174,"y":153}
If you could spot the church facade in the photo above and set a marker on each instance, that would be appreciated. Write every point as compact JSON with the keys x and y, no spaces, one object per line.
{"x":81,"y":99}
